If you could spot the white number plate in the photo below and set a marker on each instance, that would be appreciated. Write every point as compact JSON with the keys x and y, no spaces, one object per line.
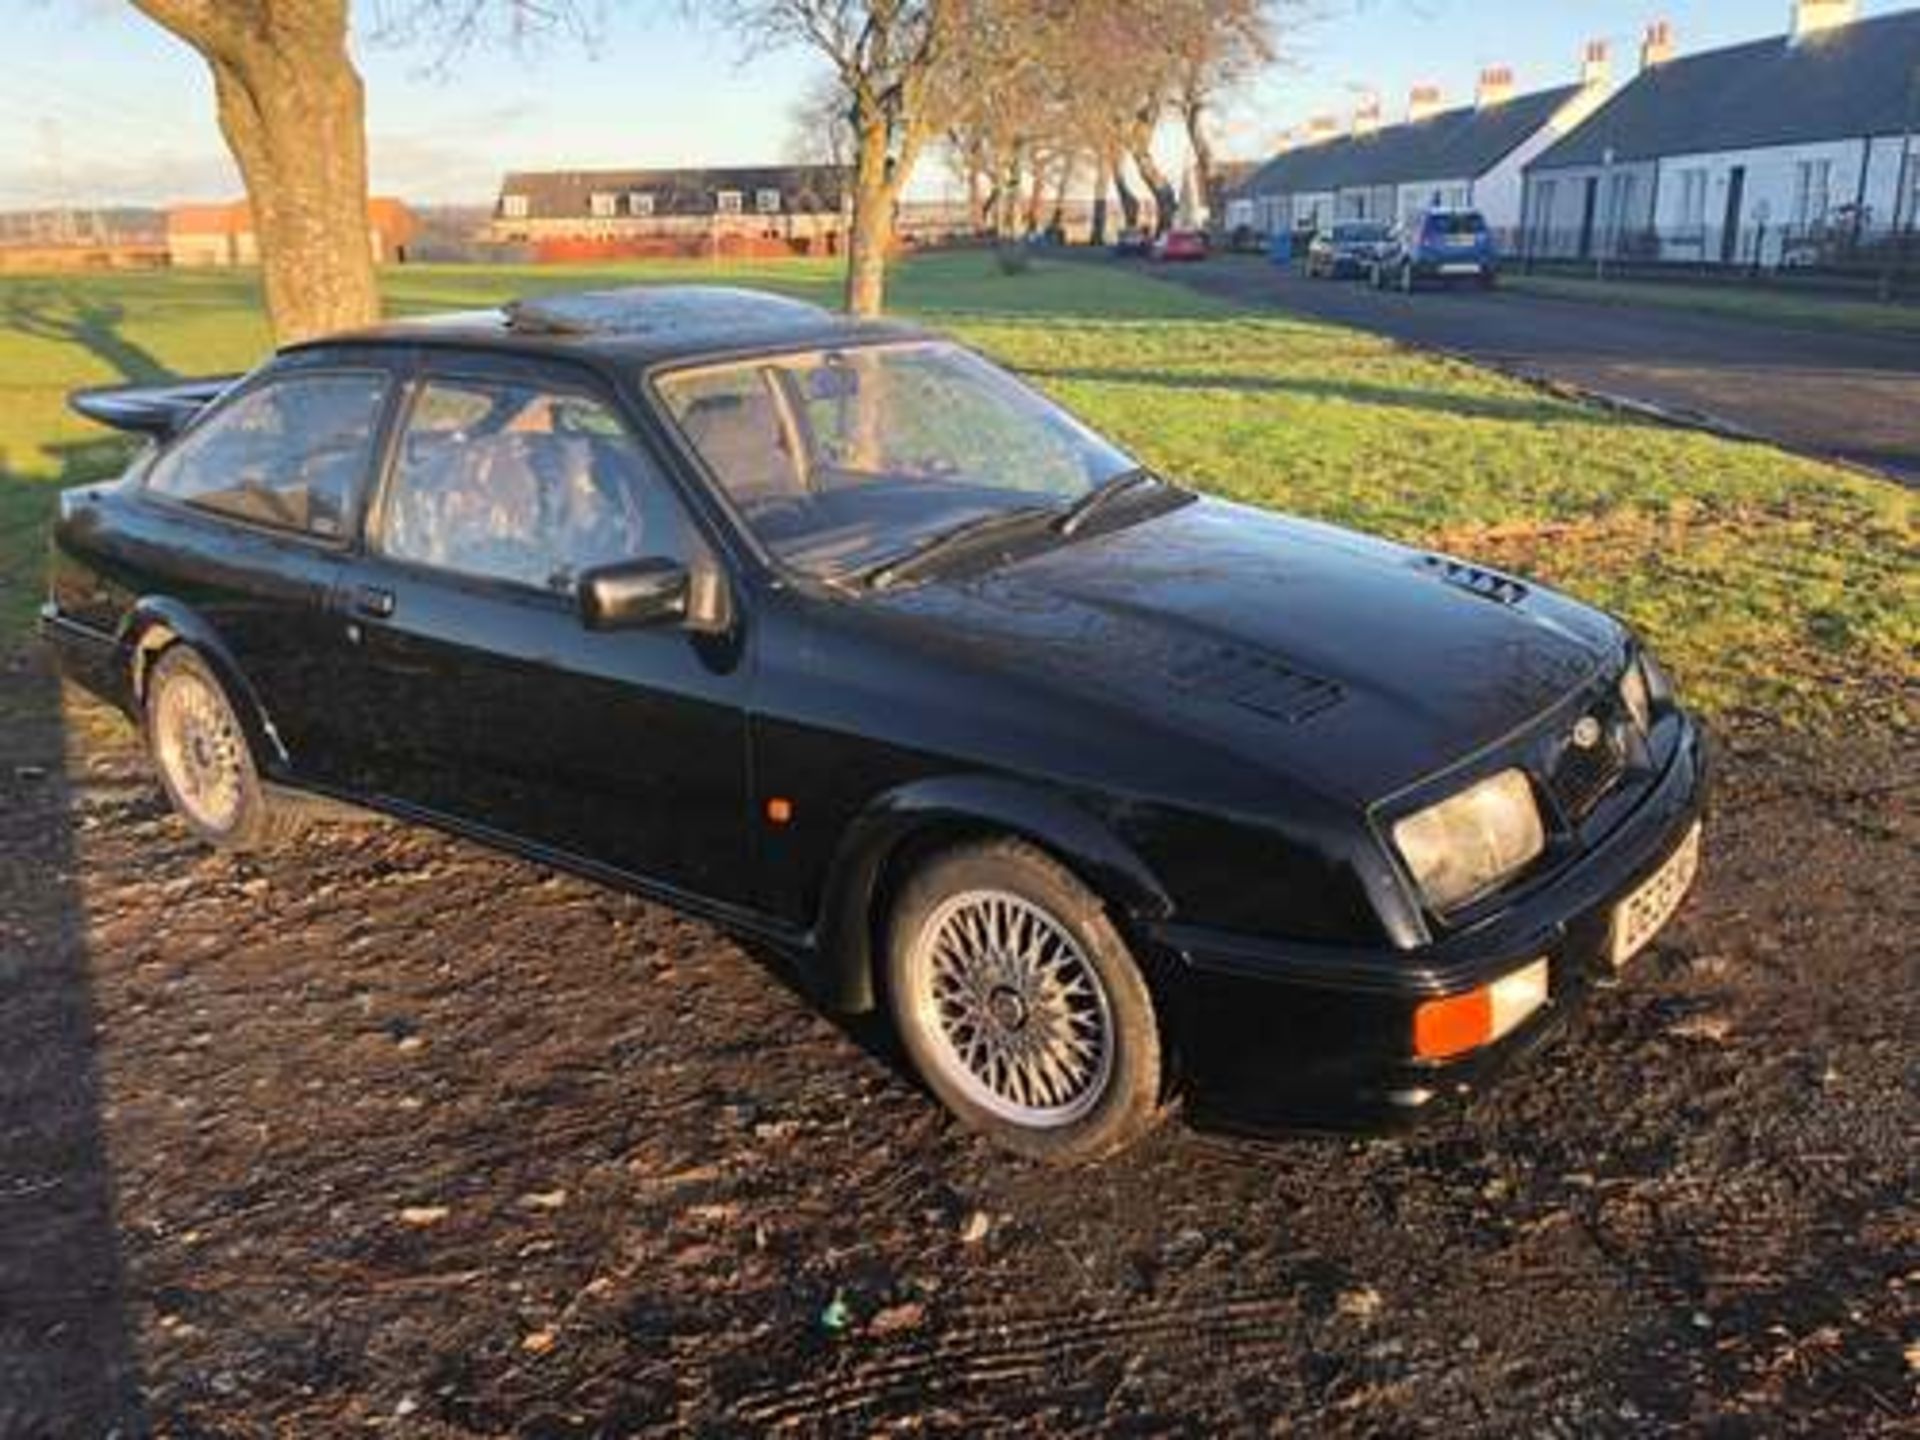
{"x":1638,"y":918}
{"x":1459,"y":269}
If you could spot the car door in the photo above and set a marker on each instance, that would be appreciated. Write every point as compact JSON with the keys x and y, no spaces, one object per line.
{"x":245,"y":523}
{"x":488,"y":700}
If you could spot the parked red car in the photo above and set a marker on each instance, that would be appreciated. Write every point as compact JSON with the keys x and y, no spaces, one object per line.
{"x":1181,"y":245}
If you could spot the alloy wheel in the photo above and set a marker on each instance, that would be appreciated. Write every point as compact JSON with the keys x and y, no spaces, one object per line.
{"x":1020,"y":1020}
{"x":198,"y":747}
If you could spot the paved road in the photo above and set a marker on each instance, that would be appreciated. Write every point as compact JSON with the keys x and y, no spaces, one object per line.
{"x":1834,"y":393}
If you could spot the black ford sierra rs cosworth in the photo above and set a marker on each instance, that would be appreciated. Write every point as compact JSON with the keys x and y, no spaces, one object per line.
{"x":838,"y":635}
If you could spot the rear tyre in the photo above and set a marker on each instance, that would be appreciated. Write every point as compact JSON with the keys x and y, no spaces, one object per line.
{"x":1021,"y":1006}
{"x":205,"y":764}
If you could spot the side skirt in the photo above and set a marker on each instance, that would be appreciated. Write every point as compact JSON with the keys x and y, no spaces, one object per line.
{"x":793,"y":943}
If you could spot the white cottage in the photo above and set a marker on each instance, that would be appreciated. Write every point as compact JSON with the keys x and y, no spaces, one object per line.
{"x":1780,"y":151}
{"x":1470,"y":155}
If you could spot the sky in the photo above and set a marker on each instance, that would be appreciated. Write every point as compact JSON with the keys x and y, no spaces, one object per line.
{"x":99,"y":106}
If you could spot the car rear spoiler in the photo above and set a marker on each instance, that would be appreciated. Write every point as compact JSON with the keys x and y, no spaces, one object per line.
{"x":161,"y":411}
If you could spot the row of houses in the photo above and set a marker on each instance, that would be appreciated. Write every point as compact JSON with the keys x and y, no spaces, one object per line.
{"x":1772,"y":152}
{"x":740,"y":209}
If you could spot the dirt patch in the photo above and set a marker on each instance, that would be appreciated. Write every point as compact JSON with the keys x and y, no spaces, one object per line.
{"x":386,"y":1132}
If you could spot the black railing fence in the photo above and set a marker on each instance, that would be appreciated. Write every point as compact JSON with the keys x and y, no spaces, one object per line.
{"x":1840,"y":252}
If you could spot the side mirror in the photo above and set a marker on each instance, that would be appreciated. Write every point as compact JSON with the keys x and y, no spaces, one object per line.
{"x":634,"y":594}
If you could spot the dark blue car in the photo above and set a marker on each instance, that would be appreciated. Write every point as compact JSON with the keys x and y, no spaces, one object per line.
{"x":1440,"y":245}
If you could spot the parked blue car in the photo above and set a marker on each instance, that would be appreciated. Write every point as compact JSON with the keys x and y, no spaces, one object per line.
{"x":1439,"y":245}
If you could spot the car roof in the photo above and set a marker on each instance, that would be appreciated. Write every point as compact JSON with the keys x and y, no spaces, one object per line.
{"x":635,"y":326}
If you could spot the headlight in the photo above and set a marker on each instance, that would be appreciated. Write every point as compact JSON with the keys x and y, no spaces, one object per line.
{"x":1470,"y":842}
{"x":1643,"y":687}
{"x":1633,"y":694}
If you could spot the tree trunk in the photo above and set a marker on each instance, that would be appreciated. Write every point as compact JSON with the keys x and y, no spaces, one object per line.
{"x":1202,"y":163}
{"x":1166,"y":199}
{"x":1129,"y":202}
{"x":293,"y":112}
{"x":872,"y":222}
{"x":1102,"y":186}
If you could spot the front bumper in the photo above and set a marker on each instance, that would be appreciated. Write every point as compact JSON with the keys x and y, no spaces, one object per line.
{"x":1279,"y":1036}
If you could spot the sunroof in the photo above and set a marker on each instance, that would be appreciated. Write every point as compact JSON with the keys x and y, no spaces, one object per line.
{"x":659,"y":310}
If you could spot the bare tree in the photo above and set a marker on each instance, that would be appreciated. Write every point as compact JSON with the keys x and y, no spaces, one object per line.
{"x":1219,"y":45}
{"x":882,"y":54}
{"x":822,"y":126}
{"x":293,"y":112}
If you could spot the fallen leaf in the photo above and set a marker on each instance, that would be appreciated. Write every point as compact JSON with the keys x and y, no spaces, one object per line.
{"x":898,"y":1318}
{"x":1714,"y":1028}
{"x":1360,"y":1304}
{"x":544,"y":1199}
{"x":539,"y":1342}
{"x":976,"y":1228}
{"x":422,"y":1216}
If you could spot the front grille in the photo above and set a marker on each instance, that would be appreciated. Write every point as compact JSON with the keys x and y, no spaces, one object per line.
{"x":1579,"y":776}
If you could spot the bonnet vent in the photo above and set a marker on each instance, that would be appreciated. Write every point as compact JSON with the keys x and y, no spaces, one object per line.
{"x":1254,"y":682}
{"x":1487,"y":584}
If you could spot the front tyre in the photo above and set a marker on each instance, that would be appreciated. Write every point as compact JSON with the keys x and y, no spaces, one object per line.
{"x":201,"y":752}
{"x":1021,"y":1006}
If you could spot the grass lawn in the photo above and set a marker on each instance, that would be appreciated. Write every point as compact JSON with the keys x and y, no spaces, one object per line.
{"x":1735,"y":302}
{"x":1772,"y":584}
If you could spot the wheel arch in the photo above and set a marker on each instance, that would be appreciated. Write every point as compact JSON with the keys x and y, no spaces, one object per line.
{"x":905,"y":826}
{"x":157,"y":623}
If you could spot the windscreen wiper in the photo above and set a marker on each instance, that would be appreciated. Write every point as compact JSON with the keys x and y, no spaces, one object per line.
{"x":961,"y":537}
{"x":1103,"y":495}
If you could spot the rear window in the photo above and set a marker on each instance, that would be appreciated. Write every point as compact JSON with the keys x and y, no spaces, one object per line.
{"x":1359,"y":233}
{"x":1466,"y":223}
{"x":289,"y":453}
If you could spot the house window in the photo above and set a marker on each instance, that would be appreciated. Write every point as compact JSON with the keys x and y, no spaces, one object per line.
{"x":640,"y":202}
{"x":726,"y":202}
{"x":603,"y":204}
{"x":1543,"y":198}
{"x":767,"y":202}
{"x":514,"y":207}
{"x":1810,"y":181}
{"x":1693,"y":199}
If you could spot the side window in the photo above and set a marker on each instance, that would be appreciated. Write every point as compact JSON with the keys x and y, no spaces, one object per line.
{"x":290,"y":453}
{"x":511,"y":482}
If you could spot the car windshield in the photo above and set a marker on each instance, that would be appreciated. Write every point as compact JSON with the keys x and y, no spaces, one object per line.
{"x":841,"y":461}
{"x":1358,"y":234}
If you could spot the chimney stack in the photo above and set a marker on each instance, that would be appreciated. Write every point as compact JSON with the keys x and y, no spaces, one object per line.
{"x":1814,"y":17}
{"x":1657,"y":49}
{"x":1423,"y":102}
{"x":1366,"y":117}
{"x":1496,"y":86}
{"x":1322,"y":127}
{"x":1596,"y":64}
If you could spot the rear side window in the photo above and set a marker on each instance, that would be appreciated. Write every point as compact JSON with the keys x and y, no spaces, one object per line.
{"x":290,"y":453}
{"x":510,"y":482}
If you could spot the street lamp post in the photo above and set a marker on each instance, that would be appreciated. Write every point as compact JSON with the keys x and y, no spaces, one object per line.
{"x":1611,"y":214}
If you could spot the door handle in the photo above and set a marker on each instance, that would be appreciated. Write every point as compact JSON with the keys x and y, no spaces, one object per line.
{"x":372,"y":600}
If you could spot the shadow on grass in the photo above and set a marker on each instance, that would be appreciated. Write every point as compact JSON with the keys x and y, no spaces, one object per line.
{"x":68,"y":315}
{"x":67,"y":1359}
{"x":1542,"y":411}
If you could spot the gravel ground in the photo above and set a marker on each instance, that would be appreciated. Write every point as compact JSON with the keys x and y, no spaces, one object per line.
{"x":384,"y":1133}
